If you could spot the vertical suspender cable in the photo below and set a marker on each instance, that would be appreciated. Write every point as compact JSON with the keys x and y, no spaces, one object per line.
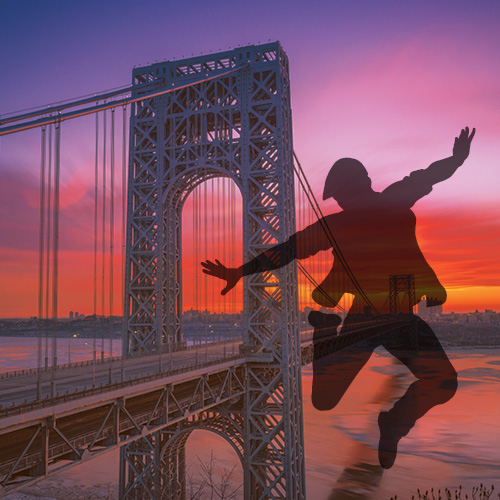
{"x":297,"y":212}
{"x":232,"y":228}
{"x":111,"y":230}
{"x":195,"y":254}
{"x":315,"y":257}
{"x":235,"y":243}
{"x":103,"y":235}
{"x":305,"y":209}
{"x":213,"y":238}
{"x":205,"y":244}
{"x":196,"y":249}
{"x":298,"y":227}
{"x":200,"y":276}
{"x":55,"y":260}
{"x":124,"y":200}
{"x":217,"y":235}
{"x":124,"y":230}
{"x":96,"y":207}
{"x":47,"y":266}
{"x":41,"y":245}
{"x":231,"y":232}
{"x":224,"y":236}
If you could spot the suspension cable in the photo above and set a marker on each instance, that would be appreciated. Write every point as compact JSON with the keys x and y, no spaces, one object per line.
{"x":205,"y":244}
{"x":319,"y":215}
{"x":124,"y":197}
{"x":305,"y":218}
{"x":111,"y":104}
{"x":96,"y":207}
{"x":318,"y":286}
{"x":47,"y":266}
{"x":24,"y":114}
{"x":41,"y":248}
{"x":55,"y":256}
{"x":103,"y":237}
{"x":212,"y":244}
{"x":124,"y":234}
{"x":111,"y":230}
{"x":196,"y":250}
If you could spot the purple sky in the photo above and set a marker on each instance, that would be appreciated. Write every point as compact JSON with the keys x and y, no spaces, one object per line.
{"x":388,"y":82}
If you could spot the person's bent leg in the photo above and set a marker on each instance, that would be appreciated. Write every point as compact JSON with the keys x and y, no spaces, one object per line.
{"x":333,"y":372}
{"x":436,"y":384}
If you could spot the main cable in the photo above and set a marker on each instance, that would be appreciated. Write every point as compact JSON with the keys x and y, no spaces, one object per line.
{"x":319,"y":215}
{"x":110,"y":105}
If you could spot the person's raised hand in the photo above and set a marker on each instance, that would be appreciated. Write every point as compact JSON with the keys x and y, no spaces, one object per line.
{"x":461,"y":148}
{"x":229,"y":274}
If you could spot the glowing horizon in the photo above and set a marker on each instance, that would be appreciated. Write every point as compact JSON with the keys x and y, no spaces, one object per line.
{"x":391,"y":85}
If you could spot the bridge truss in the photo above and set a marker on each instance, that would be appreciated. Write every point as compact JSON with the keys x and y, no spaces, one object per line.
{"x":149,"y":418}
{"x":231,"y":117}
{"x":224,"y":115}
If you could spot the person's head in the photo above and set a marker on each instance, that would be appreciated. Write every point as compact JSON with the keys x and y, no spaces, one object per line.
{"x":347,"y":181}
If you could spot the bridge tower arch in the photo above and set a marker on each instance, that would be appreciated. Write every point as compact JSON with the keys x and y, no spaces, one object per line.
{"x":228,"y":114}
{"x":143,"y":478}
{"x":173,"y":454}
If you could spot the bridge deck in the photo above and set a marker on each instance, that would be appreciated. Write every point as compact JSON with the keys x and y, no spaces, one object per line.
{"x":41,"y":436}
{"x":22,"y":387}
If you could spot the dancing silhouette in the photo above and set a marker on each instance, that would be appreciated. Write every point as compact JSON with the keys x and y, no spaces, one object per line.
{"x":375,"y":231}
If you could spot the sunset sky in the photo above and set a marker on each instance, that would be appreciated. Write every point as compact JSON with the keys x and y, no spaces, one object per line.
{"x":390,"y":83}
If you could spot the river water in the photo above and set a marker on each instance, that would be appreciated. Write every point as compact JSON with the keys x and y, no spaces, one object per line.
{"x":454,"y":444}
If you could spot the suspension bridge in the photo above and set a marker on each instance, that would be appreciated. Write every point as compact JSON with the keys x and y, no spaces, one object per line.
{"x":210,"y":173}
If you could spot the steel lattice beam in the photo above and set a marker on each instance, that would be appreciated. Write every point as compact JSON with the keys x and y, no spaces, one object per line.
{"x":237,"y":126}
{"x":401,"y":283}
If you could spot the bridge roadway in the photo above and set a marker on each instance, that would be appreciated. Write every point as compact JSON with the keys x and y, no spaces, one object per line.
{"x":42,"y":436}
{"x":21,"y":387}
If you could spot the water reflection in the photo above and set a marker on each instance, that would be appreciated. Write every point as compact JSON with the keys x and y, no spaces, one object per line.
{"x":361,"y":477}
{"x":455,"y":443}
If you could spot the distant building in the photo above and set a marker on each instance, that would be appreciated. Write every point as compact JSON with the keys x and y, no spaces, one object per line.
{"x":428,"y":312}
{"x":71,"y":315}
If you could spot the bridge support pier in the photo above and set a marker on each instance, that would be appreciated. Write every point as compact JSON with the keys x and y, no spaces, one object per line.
{"x":140,"y":469}
{"x":154,"y":466}
{"x":173,"y":470}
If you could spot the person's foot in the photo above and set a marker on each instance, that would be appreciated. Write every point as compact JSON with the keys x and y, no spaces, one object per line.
{"x":390,"y":435}
{"x":325,"y":334}
{"x":323,"y":321}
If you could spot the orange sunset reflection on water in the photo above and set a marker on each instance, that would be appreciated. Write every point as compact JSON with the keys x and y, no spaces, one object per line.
{"x":454,"y":443}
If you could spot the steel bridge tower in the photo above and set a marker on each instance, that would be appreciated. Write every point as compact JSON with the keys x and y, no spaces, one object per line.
{"x":228,"y":115}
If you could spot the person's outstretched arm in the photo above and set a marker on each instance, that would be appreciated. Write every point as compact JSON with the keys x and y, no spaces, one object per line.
{"x":443,"y":169}
{"x":419,"y":183}
{"x":301,"y":245}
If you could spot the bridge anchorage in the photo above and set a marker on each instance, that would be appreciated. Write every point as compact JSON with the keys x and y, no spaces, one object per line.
{"x":232,"y":119}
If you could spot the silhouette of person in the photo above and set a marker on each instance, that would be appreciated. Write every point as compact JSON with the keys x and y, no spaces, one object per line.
{"x":375,"y":233}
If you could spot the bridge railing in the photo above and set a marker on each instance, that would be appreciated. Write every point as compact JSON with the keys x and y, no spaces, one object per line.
{"x":103,"y":388}
{"x":307,"y":335}
{"x":90,"y":362}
